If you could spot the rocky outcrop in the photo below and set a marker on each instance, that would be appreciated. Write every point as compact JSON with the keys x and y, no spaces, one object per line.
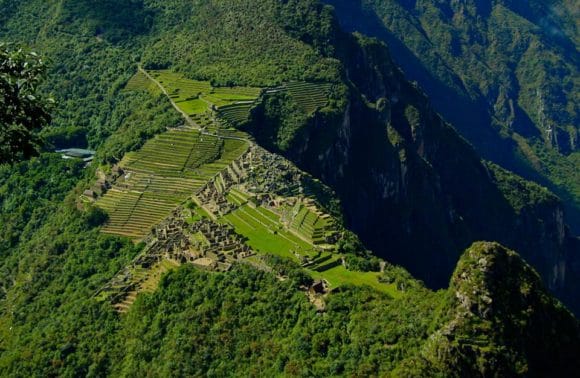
{"x":500,"y":322}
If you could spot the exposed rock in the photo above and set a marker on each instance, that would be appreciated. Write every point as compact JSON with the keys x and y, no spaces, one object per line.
{"x":501,"y":322}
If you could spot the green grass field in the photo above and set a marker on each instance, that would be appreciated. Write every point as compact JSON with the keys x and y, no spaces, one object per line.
{"x":339,"y":275}
{"x":195,"y":106}
{"x":265,"y":234}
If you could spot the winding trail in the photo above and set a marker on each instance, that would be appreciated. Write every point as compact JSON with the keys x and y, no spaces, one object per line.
{"x":184,"y":114}
{"x":191,"y":123}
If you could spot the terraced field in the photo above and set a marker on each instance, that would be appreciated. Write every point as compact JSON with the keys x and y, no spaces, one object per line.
{"x":265,"y":232}
{"x":132,"y":214}
{"x":199,"y":97}
{"x":236,"y":114}
{"x":178,"y":87}
{"x":236,"y":93}
{"x":175,"y":153}
{"x":339,"y":275}
{"x":159,"y":177}
{"x":312,"y":226}
{"x":141,"y":82}
{"x":309,"y":96}
{"x":144,"y":280}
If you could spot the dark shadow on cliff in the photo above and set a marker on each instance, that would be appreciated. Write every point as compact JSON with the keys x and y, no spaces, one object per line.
{"x":469,"y":115}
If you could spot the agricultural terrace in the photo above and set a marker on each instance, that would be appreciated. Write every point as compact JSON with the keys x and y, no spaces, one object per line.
{"x":338,"y":275}
{"x":140,"y":82}
{"x":312,"y":225}
{"x":161,"y":175}
{"x":175,"y":153}
{"x":232,"y":105}
{"x":199,"y":97}
{"x":235,"y":114}
{"x":143,"y":280}
{"x":265,"y":232}
{"x":309,"y":96}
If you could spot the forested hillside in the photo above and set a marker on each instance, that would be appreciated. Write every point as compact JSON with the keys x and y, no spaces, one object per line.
{"x":328,"y":177}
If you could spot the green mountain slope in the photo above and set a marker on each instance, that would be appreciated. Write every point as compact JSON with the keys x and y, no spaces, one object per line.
{"x":504,"y":73}
{"x":333,"y":103}
{"x":492,"y":284}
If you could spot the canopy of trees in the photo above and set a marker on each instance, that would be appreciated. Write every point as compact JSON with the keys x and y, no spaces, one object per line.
{"x":22,"y":110}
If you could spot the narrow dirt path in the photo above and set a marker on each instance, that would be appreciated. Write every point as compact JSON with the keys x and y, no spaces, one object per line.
{"x":188,"y":120}
{"x":184,"y":114}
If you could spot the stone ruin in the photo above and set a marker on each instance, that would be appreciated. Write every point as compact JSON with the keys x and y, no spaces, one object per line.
{"x":212,"y":195}
{"x":174,"y":240}
{"x":271,"y":173}
{"x":272,"y":182}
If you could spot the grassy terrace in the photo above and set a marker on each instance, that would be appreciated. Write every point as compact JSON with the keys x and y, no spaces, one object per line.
{"x":176,"y":153}
{"x":198,"y":97}
{"x":132,"y":214}
{"x":178,"y":87}
{"x":309,"y":96}
{"x":237,"y":198}
{"x":164,"y":173}
{"x":233,"y":133}
{"x":266,"y":234}
{"x":311,"y":225}
{"x":235,"y":114}
{"x":233,"y":104}
{"x":339,"y":275}
{"x":140,"y":82}
{"x":195,"y":106}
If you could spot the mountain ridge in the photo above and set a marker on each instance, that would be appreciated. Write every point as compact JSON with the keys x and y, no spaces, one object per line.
{"x":477,"y":61}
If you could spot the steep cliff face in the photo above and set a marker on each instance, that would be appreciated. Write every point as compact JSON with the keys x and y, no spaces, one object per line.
{"x":413,"y":189}
{"x":502,"y":72}
{"x":538,"y":213}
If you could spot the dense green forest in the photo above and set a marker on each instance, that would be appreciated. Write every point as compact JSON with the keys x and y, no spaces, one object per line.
{"x":245,"y":321}
{"x":23,"y":110}
{"x":496,"y":317}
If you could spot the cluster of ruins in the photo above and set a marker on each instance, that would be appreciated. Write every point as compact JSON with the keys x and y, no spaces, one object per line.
{"x":205,"y":244}
{"x":264,"y":179}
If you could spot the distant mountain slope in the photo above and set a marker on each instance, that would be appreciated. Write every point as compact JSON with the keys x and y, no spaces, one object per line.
{"x":504,"y":73}
{"x":417,"y":192}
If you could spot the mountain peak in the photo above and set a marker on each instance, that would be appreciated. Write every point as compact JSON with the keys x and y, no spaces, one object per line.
{"x":490,"y":279}
{"x":502,"y":321}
